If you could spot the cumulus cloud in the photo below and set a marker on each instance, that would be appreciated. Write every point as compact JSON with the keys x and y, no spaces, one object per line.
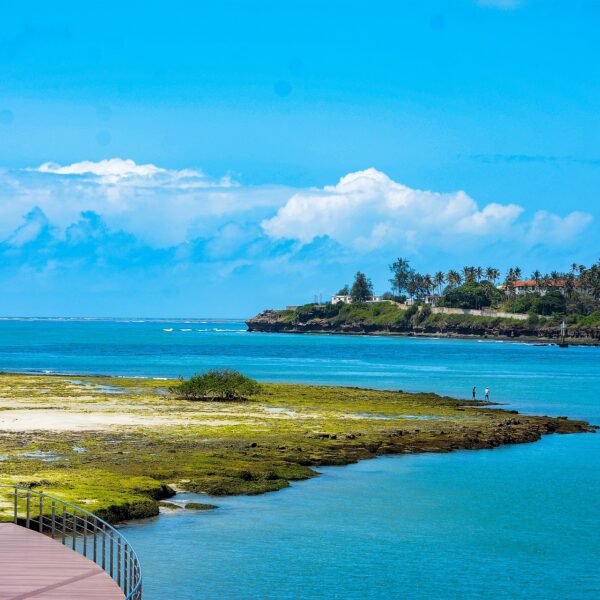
{"x":548,"y":228}
{"x":367,"y":211}
{"x":119,"y":212}
{"x":34,"y":225}
{"x":162,"y":207}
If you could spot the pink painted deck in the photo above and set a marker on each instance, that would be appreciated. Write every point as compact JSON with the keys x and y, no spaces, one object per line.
{"x":35,"y":566}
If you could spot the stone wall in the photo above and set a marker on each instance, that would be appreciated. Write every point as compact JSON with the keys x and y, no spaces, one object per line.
{"x":484,"y":312}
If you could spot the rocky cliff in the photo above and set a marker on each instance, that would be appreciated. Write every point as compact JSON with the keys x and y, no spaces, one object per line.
{"x":413,"y":323}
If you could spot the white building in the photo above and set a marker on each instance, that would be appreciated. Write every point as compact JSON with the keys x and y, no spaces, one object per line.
{"x":343,"y":298}
{"x":346,"y":299}
{"x":432,"y":299}
{"x":529,"y":286}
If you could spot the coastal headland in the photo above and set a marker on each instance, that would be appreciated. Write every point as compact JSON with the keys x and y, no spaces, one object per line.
{"x":390,"y":318}
{"x":119,"y":446}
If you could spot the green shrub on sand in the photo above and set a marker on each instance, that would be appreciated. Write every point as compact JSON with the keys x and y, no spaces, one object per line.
{"x":216,"y":384}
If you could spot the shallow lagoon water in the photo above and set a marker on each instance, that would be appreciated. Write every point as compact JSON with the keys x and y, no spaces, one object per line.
{"x":515,"y":522}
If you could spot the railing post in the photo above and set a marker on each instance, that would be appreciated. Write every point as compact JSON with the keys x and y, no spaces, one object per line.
{"x":103,"y":548}
{"x":53,"y":526}
{"x":95,"y":540}
{"x":16,"y":505}
{"x":27,"y":509}
{"x":119,"y":561}
{"x":74,"y":529}
{"x":111,"y":554}
{"x":85,"y":522}
{"x":131,"y":570}
{"x":41,"y":518}
{"x":125,"y":571}
{"x":64,"y":525}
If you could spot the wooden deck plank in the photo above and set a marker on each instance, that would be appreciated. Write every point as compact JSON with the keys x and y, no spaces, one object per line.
{"x":35,"y":566}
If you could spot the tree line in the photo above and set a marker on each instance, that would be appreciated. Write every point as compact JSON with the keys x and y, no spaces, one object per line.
{"x":407,"y":282}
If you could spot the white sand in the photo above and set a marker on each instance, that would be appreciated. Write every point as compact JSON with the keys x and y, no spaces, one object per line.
{"x":62,"y":420}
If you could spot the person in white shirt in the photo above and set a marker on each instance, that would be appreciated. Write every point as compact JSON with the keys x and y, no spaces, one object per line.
{"x":487,"y":394}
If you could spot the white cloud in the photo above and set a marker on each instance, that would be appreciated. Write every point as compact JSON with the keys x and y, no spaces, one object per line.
{"x":162,"y":207}
{"x":367,"y":211}
{"x":33,"y":224}
{"x":550,"y":229}
{"x":126,"y":172}
{"x":113,"y":167}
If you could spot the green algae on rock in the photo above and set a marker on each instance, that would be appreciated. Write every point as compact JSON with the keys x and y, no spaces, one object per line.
{"x":200,"y":506}
{"x":120,"y":446}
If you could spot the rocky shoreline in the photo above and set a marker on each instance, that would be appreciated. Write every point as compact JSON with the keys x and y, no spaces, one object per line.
{"x":272,"y":321}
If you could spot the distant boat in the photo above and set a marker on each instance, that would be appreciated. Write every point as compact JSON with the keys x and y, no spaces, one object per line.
{"x":563,"y":332}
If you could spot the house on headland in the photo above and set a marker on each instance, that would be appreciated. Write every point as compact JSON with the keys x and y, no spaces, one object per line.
{"x":529,"y":286}
{"x":347,"y":299}
{"x":432,"y":299}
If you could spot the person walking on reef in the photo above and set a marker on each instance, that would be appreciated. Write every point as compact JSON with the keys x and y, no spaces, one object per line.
{"x":487,"y":394}
{"x":474,"y":392}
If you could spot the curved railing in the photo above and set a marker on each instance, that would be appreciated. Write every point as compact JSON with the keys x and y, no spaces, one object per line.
{"x":83,"y":531}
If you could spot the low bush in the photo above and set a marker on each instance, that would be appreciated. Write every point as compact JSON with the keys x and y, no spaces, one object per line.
{"x":216,"y":384}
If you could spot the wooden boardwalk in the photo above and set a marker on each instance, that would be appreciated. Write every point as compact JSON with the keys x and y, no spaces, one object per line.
{"x":35,"y":566}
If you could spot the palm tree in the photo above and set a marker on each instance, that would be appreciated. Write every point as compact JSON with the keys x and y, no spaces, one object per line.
{"x":479,"y":273}
{"x":509,"y":281}
{"x":428,"y":283}
{"x":536,"y":276}
{"x":453,"y":277}
{"x":569,"y":285}
{"x":492,"y":274}
{"x":468,"y":273}
{"x":574,"y":268}
{"x":438,"y":279}
{"x":517,"y":273}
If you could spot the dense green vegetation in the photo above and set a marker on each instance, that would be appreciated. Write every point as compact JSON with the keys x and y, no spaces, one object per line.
{"x":472,"y":294}
{"x":572,"y":295}
{"x":167,"y":443}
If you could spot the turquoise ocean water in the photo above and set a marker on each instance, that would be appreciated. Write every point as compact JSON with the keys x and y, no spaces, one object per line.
{"x":515,"y":522}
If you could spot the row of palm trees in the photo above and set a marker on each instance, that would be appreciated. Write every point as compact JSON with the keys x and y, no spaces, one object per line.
{"x":453,"y":278}
{"x":407,"y":280}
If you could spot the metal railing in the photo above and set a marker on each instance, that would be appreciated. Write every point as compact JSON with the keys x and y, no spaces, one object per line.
{"x":83,"y":531}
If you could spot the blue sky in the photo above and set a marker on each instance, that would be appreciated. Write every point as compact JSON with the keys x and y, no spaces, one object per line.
{"x":213,"y":159}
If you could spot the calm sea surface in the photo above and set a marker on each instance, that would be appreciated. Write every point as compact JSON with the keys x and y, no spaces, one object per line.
{"x":515,"y":522}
